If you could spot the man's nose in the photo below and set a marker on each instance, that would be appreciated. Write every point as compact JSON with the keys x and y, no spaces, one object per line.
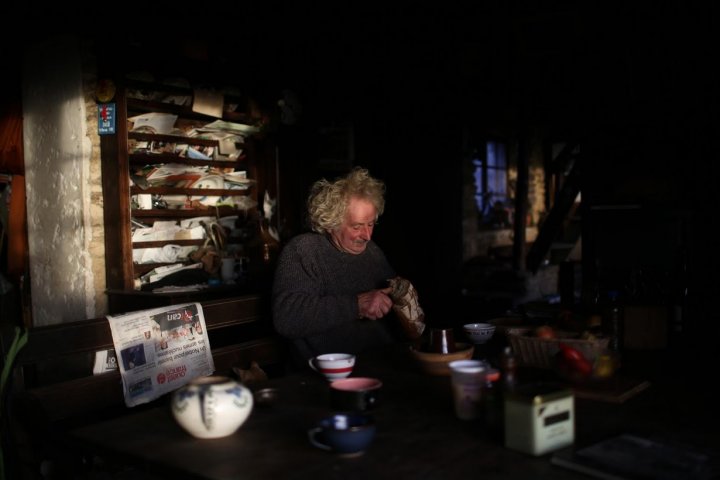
{"x":366,"y":232}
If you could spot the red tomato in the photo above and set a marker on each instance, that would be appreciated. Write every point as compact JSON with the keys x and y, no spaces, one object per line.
{"x":576,"y":360}
{"x":545,"y":331}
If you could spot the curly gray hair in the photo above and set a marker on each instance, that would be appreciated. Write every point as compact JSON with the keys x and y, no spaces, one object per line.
{"x":328,"y":201}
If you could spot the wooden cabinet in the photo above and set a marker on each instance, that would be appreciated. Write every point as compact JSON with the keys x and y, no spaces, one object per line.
{"x":134,"y":197}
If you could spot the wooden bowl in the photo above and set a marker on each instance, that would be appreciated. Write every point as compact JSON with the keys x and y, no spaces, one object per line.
{"x":437,"y":363}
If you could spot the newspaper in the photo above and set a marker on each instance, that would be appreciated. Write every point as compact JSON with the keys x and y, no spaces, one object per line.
{"x":105,"y":361}
{"x":159,"y":350}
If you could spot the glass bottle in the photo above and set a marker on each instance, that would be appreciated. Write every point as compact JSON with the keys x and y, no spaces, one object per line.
{"x":594,"y":322}
{"x":493,"y":398}
{"x":508,"y":367}
{"x":614,"y":322}
{"x":680,"y":300}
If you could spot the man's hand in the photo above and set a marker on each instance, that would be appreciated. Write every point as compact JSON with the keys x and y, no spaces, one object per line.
{"x":375,"y":303}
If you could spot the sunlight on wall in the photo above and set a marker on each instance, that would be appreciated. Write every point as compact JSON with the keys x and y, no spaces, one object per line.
{"x":56,"y":163}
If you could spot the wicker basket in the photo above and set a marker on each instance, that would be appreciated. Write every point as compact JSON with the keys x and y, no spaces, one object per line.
{"x":538,"y":352}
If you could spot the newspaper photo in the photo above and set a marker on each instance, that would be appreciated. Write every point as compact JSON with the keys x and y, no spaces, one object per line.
{"x":159,"y":350}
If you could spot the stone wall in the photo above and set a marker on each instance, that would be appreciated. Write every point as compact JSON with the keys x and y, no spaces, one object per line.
{"x":63,"y":199}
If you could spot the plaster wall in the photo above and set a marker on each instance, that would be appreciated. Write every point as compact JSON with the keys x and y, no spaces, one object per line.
{"x":62,"y":185}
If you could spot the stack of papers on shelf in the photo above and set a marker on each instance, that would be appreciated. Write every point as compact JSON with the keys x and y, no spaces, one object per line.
{"x":208,"y":102}
{"x":159,"y":273}
{"x":230,"y":127}
{"x":196,"y":154}
{"x":230,"y":146}
{"x":180,"y":288}
{"x":195,"y":222}
{"x":167,"y":254}
{"x":161,"y":123}
{"x":170,"y":174}
{"x":237,"y":180}
{"x":174,"y":232}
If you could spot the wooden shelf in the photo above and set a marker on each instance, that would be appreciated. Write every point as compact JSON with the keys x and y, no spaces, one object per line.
{"x":142,"y":159}
{"x":157,"y":137}
{"x":186,"y":112}
{"x":190,"y":192}
{"x":222,"y":211}
{"x":121,"y":159}
{"x":162,"y":243}
{"x":137,"y":104}
{"x":143,"y":268}
{"x":172,"y":89}
{"x":182,"y":243}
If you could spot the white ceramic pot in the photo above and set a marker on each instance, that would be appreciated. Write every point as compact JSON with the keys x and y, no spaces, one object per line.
{"x":211,"y":407}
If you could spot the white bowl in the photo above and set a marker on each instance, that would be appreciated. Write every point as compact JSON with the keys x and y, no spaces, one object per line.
{"x":479,"y":333}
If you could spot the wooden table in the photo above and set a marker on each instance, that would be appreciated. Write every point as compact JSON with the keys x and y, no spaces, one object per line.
{"x":418,"y":434}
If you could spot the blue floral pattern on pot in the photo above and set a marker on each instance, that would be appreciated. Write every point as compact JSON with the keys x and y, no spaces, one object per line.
{"x":212,"y":407}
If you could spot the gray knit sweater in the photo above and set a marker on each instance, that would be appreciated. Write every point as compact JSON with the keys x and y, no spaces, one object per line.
{"x":314,"y":297}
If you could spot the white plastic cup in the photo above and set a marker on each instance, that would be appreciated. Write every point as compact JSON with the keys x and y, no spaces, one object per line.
{"x":468,"y":378}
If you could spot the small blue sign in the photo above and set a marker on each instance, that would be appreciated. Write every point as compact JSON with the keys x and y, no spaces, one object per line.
{"x":106,"y":118}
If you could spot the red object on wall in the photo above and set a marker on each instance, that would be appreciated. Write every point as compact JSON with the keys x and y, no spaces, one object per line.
{"x":11,"y":146}
{"x":12,"y":162}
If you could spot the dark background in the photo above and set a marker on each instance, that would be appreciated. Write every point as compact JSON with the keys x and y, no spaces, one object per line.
{"x":634,"y":84}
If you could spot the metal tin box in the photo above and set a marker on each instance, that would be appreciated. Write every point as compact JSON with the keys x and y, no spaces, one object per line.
{"x":539,"y":418}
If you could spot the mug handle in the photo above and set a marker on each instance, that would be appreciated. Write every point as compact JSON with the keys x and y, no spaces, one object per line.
{"x":312,"y":436}
{"x":312,"y":364}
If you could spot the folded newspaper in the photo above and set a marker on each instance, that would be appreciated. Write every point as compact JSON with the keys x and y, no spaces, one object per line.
{"x":159,"y":350}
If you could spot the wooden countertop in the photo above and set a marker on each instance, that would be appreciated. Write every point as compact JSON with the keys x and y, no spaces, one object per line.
{"x":418,"y":433}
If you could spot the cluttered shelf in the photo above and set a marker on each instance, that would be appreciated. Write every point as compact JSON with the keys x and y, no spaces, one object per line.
{"x":161,"y":243}
{"x":219,"y":211}
{"x":143,"y":268}
{"x":171,"y":138}
{"x":187,"y":191}
{"x":190,"y":154}
{"x":141,"y":159}
{"x":149,"y":106}
{"x":155,"y":96}
{"x":181,"y":243}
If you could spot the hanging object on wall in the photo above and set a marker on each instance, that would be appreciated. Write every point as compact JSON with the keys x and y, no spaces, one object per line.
{"x":106,"y":118}
{"x":105,"y":90}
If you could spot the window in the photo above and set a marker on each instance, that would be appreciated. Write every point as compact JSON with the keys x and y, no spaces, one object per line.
{"x":491,"y":179}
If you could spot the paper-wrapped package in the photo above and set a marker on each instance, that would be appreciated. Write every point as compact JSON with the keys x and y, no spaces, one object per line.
{"x":407,"y":307}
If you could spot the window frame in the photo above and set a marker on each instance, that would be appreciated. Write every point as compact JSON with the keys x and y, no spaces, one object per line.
{"x":482,"y":165}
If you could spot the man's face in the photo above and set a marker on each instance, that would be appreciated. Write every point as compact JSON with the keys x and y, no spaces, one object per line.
{"x":357,"y":228}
